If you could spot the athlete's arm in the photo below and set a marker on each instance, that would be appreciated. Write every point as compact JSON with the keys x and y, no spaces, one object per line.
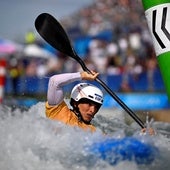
{"x":55,"y":94}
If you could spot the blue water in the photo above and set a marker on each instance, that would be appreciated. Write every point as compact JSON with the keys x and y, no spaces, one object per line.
{"x":30,"y":141}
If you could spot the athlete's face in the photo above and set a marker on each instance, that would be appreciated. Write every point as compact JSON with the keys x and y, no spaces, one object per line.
{"x":88,"y":110}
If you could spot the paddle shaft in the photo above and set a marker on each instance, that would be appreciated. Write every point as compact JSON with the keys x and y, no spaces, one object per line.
{"x":117,"y":99}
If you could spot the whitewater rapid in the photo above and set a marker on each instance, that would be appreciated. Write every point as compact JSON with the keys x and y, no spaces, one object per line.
{"x":30,"y":141}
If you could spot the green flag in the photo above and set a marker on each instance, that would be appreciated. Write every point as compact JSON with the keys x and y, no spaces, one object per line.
{"x":157,"y":13}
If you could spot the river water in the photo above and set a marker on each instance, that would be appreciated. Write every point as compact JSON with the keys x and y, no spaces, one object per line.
{"x":29,"y":141}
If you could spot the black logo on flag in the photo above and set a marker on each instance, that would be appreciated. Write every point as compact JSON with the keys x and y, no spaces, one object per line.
{"x":163,"y":28}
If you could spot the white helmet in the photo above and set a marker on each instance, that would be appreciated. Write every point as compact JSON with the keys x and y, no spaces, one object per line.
{"x":88,"y":91}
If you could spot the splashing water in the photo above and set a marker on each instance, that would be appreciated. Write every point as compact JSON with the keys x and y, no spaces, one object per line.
{"x":31,"y":141}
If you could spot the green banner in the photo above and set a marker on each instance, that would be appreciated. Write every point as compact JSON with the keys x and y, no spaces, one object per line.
{"x":151,"y":3}
{"x":157,"y":13}
{"x":164,"y":65}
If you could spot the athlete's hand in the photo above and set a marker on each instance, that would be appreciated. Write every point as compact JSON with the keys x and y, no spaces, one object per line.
{"x":89,"y":76}
{"x":150,"y":131}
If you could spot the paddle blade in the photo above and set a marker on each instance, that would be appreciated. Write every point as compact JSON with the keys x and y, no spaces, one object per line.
{"x":53,"y":33}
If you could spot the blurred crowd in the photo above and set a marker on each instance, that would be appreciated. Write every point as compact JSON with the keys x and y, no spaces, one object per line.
{"x":131,"y":50}
{"x":128,"y":52}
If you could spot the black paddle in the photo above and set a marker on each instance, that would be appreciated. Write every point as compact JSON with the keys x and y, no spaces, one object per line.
{"x":52,"y":32}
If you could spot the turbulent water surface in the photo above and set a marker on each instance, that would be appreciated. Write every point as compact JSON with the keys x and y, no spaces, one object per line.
{"x":29,"y":141}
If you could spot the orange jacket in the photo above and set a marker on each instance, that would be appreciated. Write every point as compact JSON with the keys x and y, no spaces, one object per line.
{"x":63,"y":114}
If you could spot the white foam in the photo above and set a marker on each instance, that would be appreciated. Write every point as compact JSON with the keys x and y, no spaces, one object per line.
{"x":31,"y":141}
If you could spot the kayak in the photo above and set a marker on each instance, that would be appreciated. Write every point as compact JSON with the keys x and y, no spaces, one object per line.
{"x":126,"y":149}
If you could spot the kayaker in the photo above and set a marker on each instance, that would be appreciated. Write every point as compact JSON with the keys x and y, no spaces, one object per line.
{"x":86,"y":100}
